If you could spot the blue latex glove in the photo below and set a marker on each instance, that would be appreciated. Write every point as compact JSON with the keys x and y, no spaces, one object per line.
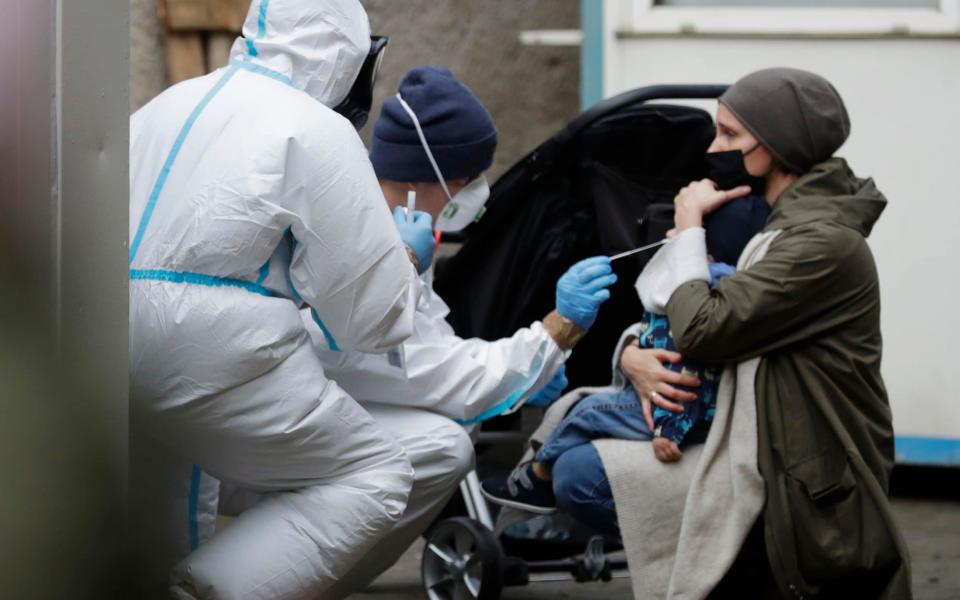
{"x":720,"y":270}
{"x":549,"y":393}
{"x":418,"y":235}
{"x":583,"y":288}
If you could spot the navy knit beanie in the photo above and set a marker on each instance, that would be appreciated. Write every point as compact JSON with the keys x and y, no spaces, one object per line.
{"x":458,"y":129}
{"x":730,"y":227}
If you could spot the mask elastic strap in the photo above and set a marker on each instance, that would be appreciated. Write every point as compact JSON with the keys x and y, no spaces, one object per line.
{"x":426,"y":146}
{"x":758,"y":144}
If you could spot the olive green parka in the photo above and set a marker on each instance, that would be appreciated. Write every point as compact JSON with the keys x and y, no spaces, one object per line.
{"x":810,"y":309}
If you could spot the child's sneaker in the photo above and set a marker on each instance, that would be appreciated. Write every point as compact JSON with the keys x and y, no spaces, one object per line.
{"x":521,"y":489}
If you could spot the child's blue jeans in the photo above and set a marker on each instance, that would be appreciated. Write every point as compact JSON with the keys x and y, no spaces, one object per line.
{"x":617,"y":415}
{"x":579,"y":481}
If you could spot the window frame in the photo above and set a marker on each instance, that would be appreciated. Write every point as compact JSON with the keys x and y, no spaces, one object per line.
{"x":649,"y":18}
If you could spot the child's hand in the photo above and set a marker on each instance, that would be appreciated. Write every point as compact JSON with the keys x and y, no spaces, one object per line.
{"x":718,"y":271}
{"x":666,"y":450}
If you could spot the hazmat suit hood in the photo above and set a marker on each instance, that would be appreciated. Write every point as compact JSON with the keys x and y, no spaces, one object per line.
{"x":830,"y":192}
{"x":320,"y":46}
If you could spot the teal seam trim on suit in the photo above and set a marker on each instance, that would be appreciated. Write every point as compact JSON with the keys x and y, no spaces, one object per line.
{"x":196,"y":279}
{"x":261,"y":70}
{"x":262,"y":19}
{"x":326,"y":333}
{"x":500,"y":408}
{"x":264,"y":273}
{"x":261,"y":27}
{"x":172,"y":157}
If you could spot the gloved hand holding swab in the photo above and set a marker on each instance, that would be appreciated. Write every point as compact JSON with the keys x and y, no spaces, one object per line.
{"x":636,"y":250}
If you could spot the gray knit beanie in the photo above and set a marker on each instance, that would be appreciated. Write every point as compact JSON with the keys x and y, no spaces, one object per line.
{"x":796,"y":115}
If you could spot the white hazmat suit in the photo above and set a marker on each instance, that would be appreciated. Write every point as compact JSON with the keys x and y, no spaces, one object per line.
{"x":427,"y":393}
{"x":424,"y":392}
{"x":249,"y":195}
{"x":467,"y":380}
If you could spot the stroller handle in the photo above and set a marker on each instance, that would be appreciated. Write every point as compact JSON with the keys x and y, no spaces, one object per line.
{"x":639,"y":96}
{"x":547,"y":152}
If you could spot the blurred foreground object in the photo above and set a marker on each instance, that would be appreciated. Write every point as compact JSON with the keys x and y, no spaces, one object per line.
{"x":199,"y":34}
{"x":62,"y":505}
{"x":63,"y":299}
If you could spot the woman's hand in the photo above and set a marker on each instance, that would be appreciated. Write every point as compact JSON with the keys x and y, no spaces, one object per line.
{"x":654,"y":382}
{"x":701,"y":198}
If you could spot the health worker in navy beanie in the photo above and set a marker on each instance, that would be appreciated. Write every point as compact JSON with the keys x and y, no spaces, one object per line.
{"x":434,"y":138}
{"x":443,"y":159}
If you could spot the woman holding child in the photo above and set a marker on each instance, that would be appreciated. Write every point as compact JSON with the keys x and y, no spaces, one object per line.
{"x":807,"y":306}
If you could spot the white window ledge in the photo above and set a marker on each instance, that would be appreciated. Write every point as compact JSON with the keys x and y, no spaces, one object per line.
{"x":551,"y":37}
{"x":651,"y":20}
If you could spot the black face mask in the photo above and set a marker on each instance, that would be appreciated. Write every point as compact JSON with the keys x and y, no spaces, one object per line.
{"x":356,"y":106}
{"x":728,"y":170}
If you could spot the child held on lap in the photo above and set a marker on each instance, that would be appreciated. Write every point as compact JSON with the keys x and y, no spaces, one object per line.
{"x":619,"y":414}
{"x":671,"y":429}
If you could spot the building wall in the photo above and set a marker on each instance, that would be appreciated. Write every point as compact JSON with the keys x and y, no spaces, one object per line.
{"x":531,"y":91}
{"x":148,"y":71}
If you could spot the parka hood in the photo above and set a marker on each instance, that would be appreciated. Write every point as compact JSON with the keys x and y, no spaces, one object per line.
{"x":318,"y":44}
{"x":829,"y":192}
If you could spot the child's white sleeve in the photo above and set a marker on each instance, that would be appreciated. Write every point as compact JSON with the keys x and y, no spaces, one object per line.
{"x":619,"y":378}
{"x":683,"y":259}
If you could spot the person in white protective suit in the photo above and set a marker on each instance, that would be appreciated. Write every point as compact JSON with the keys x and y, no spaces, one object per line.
{"x":249,"y":198}
{"x":436,"y":139}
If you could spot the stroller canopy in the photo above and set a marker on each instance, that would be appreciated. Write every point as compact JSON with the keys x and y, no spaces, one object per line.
{"x":602,"y":185}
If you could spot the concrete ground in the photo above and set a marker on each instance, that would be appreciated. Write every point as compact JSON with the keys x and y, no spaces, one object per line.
{"x":931,"y":527}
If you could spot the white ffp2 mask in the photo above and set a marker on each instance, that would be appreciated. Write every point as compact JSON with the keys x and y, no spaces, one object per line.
{"x":465,"y":207}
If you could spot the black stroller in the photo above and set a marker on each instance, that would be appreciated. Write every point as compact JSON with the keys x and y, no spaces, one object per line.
{"x":602,"y":185}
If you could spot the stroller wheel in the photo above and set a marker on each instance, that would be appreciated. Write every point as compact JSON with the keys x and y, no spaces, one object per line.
{"x":462,"y":560}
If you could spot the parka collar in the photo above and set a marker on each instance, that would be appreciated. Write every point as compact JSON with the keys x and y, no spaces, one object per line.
{"x":830,"y":192}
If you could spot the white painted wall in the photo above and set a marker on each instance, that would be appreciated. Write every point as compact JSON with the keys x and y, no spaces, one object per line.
{"x":903,"y":95}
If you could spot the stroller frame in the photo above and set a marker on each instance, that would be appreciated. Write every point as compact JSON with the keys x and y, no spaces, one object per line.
{"x":463,"y":558}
